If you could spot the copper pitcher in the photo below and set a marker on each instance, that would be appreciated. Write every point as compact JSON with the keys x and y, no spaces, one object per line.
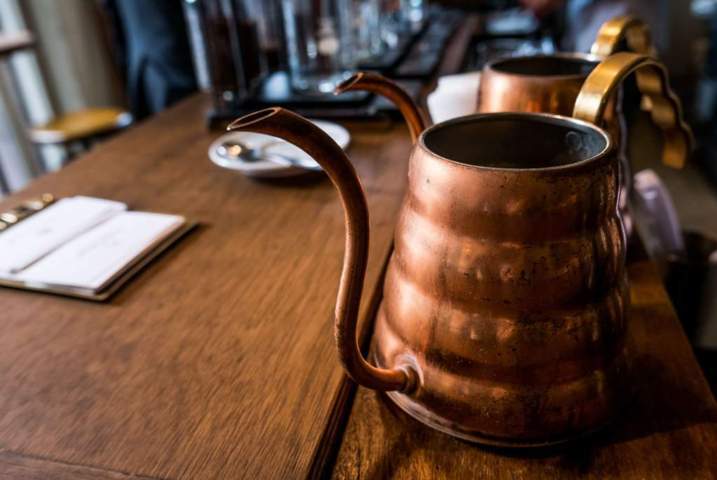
{"x":552,"y":83}
{"x":503,"y":315}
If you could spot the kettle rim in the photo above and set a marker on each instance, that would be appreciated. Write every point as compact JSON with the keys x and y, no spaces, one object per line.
{"x":604,"y":154}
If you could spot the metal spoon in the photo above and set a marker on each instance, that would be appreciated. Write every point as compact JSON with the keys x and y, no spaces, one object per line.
{"x":233,"y":150}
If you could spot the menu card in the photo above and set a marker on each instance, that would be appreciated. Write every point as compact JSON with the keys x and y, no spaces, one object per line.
{"x":80,"y":244}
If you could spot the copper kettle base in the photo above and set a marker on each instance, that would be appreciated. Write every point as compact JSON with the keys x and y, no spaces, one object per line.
{"x":431,"y":420}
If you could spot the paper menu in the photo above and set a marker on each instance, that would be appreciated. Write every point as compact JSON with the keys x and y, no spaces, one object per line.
{"x":89,"y":256}
{"x":43,"y":232}
{"x":94,"y":258}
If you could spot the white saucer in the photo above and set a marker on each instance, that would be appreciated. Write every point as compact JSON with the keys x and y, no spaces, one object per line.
{"x":268,"y":168}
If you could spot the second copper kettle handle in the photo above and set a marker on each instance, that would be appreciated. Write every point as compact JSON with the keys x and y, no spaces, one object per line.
{"x":653,"y":82}
{"x":314,"y":141}
{"x":631,"y":29}
{"x":380,"y":85}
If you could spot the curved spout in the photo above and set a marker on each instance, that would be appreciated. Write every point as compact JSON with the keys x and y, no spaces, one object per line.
{"x":310,"y":138}
{"x":653,"y":82}
{"x":373,"y":82}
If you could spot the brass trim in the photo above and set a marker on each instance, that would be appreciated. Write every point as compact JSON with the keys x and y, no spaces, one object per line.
{"x":653,"y":82}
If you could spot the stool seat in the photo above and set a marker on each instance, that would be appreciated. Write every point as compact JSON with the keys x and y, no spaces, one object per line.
{"x":80,"y":125}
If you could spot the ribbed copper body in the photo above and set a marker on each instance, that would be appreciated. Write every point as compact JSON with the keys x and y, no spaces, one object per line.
{"x":544,"y":84}
{"x":506,"y":291}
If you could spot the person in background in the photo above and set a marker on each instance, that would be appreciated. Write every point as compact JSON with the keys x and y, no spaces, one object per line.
{"x":542,"y":8}
{"x":669,"y":20}
{"x":154,"y":52}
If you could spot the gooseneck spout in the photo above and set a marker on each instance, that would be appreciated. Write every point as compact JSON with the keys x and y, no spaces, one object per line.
{"x":378,"y":84}
{"x":310,"y":138}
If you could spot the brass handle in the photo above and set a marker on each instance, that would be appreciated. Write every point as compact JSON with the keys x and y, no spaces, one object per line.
{"x":637,"y":35}
{"x":380,"y":85}
{"x":633,"y":30}
{"x":653,"y":82}
{"x":310,"y":138}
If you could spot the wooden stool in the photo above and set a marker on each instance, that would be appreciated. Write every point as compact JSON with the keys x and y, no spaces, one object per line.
{"x":77,"y":128}
{"x":82,"y":126}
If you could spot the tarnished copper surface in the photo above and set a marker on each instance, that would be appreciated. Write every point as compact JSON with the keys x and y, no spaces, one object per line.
{"x":503,"y":318}
{"x":373,"y":82}
{"x":570,"y":83}
{"x":541,"y":83}
{"x":507,"y":290}
{"x":553,"y":83}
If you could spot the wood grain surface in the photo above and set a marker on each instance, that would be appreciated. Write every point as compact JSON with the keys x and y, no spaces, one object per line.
{"x":218,"y":361}
{"x":669,"y":431}
{"x":14,"y":466}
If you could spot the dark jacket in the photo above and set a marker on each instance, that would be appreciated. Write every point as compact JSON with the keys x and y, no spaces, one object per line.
{"x":152,"y":42}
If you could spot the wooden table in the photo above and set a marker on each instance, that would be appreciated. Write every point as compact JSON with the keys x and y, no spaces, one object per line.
{"x":218,"y":360}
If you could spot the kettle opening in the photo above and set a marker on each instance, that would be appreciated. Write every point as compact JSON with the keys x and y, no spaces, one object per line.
{"x":572,"y":65}
{"x":516,"y":141}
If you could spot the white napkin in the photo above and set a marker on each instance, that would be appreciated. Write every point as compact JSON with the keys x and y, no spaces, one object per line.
{"x":45,"y":231}
{"x":454,"y":96}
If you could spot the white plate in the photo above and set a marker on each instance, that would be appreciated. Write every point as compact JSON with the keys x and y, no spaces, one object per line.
{"x":267,"y":168}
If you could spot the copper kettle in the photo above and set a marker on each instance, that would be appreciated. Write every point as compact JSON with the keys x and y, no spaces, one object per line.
{"x":503,"y":319}
{"x":551,"y":84}
{"x":503,"y":316}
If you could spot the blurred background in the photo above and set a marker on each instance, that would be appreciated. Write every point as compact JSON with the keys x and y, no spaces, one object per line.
{"x":75,"y":72}
{"x":139,"y":57}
